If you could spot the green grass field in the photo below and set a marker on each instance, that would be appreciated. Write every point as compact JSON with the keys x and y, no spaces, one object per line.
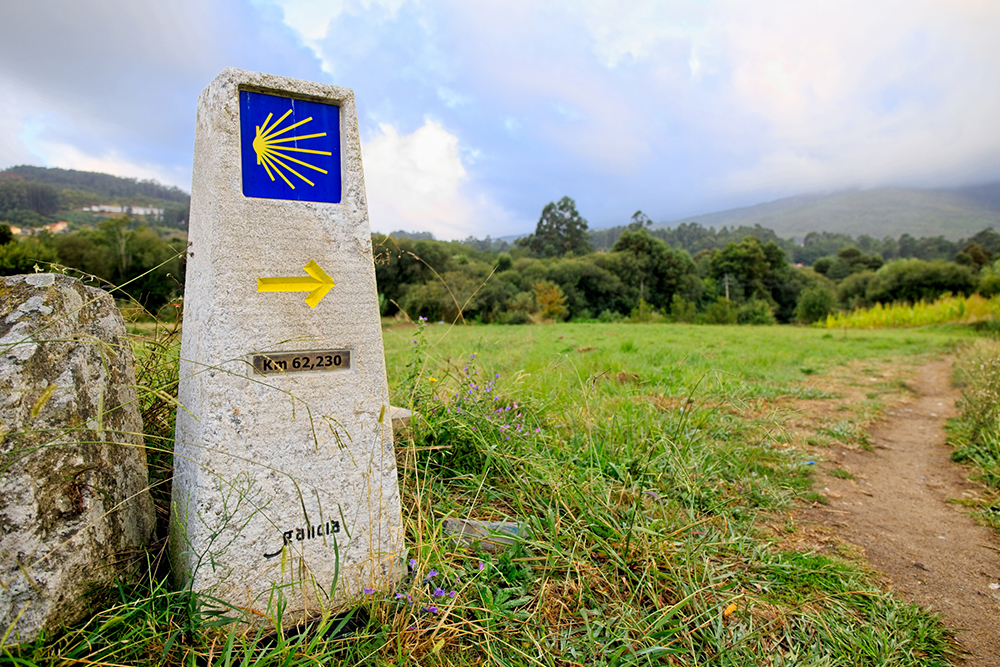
{"x":652,"y":470}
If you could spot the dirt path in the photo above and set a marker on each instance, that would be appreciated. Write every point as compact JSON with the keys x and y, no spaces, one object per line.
{"x":896,"y":510}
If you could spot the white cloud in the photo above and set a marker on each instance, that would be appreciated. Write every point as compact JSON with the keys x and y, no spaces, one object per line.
{"x":638,"y":30}
{"x":417,"y":182}
{"x":26,"y":123}
{"x":859,"y":94}
{"x":311,"y":19}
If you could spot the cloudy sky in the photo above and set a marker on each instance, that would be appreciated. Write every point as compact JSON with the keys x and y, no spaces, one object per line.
{"x":474,"y":115}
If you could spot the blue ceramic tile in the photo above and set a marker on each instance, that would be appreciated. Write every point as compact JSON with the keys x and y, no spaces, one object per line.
{"x":290,"y":148}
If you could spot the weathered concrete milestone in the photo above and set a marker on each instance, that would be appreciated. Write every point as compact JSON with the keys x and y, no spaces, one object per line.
{"x":74,"y":499}
{"x":284,"y":471}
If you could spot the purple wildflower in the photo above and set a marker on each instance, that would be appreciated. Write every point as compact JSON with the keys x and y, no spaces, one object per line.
{"x":413,"y":562}
{"x":439,"y":592}
{"x":451,"y":594}
{"x":432,"y":609}
{"x":368,"y":591}
{"x":400,"y":596}
{"x":482,"y":566}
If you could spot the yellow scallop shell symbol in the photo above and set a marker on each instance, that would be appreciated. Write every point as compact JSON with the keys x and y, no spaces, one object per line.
{"x":271,"y":153}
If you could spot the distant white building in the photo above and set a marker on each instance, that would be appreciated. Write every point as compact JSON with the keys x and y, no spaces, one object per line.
{"x":104,"y":209}
{"x":126,"y":210}
{"x":140,"y":210}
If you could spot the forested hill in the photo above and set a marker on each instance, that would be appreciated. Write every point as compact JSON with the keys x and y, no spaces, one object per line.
{"x":952,"y":213}
{"x":103,"y":185}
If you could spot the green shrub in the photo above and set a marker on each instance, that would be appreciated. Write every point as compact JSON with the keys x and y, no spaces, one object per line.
{"x":976,"y":433}
{"x":610,"y":316}
{"x":722,"y":311}
{"x":851,"y":292}
{"x":755,"y":311}
{"x":682,"y":310}
{"x":514,"y":317}
{"x":21,"y":256}
{"x":989,"y":280}
{"x":814,"y":304}
{"x":913,"y":280}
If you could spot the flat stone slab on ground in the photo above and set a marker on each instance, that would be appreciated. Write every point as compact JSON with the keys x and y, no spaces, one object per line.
{"x":489,"y":535}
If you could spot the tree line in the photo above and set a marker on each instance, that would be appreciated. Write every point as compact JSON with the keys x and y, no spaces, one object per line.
{"x":742,"y":275}
{"x":559,"y":272}
{"x":117,"y":252}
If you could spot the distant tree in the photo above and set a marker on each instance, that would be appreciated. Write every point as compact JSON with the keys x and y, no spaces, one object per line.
{"x":550,"y":299}
{"x":416,"y":236}
{"x":22,"y":255}
{"x":988,"y":240}
{"x":973,"y":256}
{"x":639,"y":221}
{"x":589,"y":284}
{"x":755,"y":311}
{"x":651,"y":268}
{"x":504,"y":262}
{"x":848,"y":261}
{"x":682,"y":310}
{"x":989,"y":280}
{"x":561,"y":230}
{"x":913,"y":280}
{"x":746,"y":263}
{"x":815,"y":303}
{"x":487,"y":244}
{"x":927,"y":248}
{"x":401,"y":263}
{"x":16,"y":193}
{"x":723,"y":311}
{"x":852,"y":291}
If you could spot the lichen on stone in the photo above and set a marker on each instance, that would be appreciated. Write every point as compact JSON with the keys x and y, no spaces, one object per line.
{"x":73,"y":494}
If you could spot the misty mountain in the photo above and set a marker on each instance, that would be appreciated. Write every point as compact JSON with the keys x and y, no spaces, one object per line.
{"x":953,"y":213}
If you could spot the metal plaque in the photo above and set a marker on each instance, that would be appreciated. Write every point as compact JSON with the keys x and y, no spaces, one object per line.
{"x":269,"y":363}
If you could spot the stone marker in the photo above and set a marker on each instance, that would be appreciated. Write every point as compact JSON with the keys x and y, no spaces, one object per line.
{"x":284,"y":469}
{"x":73,"y":492}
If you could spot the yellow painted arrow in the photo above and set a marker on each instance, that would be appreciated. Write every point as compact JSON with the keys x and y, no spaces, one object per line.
{"x":317,"y":284}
